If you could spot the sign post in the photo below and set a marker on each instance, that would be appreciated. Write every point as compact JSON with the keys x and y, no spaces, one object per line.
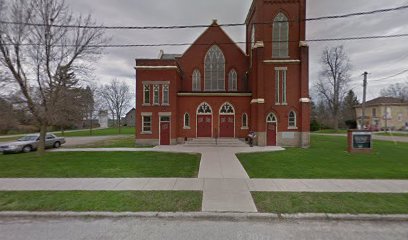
{"x":360,"y":141}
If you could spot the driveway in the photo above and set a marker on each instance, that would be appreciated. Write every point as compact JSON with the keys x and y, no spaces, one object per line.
{"x":375,"y":137}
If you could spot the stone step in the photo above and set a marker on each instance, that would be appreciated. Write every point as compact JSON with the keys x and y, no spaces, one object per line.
{"x":212,"y":142}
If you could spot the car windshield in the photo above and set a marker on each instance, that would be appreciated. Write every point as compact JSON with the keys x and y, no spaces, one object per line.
{"x":27,"y":138}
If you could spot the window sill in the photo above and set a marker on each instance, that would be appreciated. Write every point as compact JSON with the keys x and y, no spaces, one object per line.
{"x":292,"y":128}
{"x":187,"y":128}
{"x":156,"y":104}
{"x":244,"y":128}
{"x":146,"y":133}
{"x":166,"y":104}
{"x":277,"y":104}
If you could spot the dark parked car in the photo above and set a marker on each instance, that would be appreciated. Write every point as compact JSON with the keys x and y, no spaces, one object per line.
{"x":30,"y":143}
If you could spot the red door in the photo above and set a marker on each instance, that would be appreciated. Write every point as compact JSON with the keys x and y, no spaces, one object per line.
{"x":204,"y":125}
{"x":164,"y":133}
{"x":271,"y":134}
{"x":226,"y":126}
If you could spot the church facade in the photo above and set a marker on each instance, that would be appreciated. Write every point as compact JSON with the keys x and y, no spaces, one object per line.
{"x":217,"y":90}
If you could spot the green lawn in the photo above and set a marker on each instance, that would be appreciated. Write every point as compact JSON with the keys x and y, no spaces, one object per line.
{"x":352,"y":203}
{"x":327,"y":158}
{"x":123,"y":142}
{"x":121,"y":201}
{"x":331,"y":131}
{"x":100,"y":132}
{"x":99,"y":164}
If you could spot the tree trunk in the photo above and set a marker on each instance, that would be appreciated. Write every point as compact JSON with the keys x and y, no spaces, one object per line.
{"x":41,"y":143}
{"x":336,"y":122}
{"x":90,"y":126}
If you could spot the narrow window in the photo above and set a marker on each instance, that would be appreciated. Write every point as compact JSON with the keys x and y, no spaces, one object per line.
{"x":277,"y":86}
{"x":196,"y":81}
{"x":374,"y":112}
{"x":156,"y":95}
{"x":186,"y":121}
{"x":244,"y":120}
{"x":147,"y":124}
{"x":166,"y":98}
{"x":232,"y":80}
{"x":146,"y":94}
{"x":283,"y":73}
{"x":292,"y":119}
{"x":280,"y":36}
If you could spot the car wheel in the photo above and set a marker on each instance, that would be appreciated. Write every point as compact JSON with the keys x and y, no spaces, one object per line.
{"x":57,"y":144}
{"x":27,"y":149}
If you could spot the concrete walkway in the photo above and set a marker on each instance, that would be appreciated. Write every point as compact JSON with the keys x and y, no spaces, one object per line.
{"x":233,"y":186}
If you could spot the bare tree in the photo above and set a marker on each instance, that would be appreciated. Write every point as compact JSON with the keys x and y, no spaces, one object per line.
{"x":397,"y":90}
{"x":333,"y":80}
{"x":117,"y":97}
{"x":40,"y":52}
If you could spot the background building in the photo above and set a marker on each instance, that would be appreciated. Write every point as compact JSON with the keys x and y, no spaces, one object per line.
{"x":384,"y":113}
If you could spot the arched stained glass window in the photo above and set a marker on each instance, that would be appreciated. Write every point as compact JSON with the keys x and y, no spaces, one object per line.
{"x":232,"y":80}
{"x":196,"y":81}
{"x":271,"y":118}
{"x":214,"y":70}
{"x":280,"y":36}
{"x":204,"y":108}
{"x":227,"y":109}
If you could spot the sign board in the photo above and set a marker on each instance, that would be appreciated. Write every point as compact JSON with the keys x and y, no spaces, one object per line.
{"x":360,"y":141}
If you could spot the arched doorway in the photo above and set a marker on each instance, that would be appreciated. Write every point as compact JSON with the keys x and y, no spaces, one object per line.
{"x":271,"y":129}
{"x":227,"y":121}
{"x":204,"y":120}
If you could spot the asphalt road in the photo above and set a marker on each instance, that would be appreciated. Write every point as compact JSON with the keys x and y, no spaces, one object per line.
{"x":146,"y":229}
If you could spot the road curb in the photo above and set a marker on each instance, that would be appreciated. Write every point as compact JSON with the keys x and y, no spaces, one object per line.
{"x":209,"y":216}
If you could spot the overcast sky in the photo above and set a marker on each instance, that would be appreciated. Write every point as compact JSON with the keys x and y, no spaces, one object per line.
{"x":381,"y":58}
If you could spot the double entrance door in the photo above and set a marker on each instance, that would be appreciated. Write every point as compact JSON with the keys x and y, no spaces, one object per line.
{"x":227,"y":126}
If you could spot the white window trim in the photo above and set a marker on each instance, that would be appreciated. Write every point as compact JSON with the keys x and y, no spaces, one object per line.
{"x":147,"y":114}
{"x":233,"y":81}
{"x":168,"y":95}
{"x":242,"y":121}
{"x":277,"y":87}
{"x":158,"y":95}
{"x":184,"y":121}
{"x":144,"y":95}
{"x":295,"y":121}
{"x":280,"y":43}
{"x":196,"y":84}
{"x":284,"y":87}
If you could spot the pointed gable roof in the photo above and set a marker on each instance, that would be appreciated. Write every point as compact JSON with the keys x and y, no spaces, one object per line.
{"x":221,"y":40}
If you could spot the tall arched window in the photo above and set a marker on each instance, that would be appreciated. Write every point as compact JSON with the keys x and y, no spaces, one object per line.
{"x":214,"y":70}
{"x":280,"y":36}
{"x":196,"y":81}
{"x":292,"y":119}
{"x":232,"y":80}
{"x":186,"y":121}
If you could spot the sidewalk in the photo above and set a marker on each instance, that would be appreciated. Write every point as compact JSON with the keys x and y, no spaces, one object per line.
{"x":207,"y":185}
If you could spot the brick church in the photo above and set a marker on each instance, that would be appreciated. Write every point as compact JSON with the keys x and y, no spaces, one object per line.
{"x":217,"y":90}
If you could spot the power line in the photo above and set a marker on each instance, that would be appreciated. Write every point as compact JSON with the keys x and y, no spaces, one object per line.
{"x":392,"y":76}
{"x":206,"y":25}
{"x":225,"y":43}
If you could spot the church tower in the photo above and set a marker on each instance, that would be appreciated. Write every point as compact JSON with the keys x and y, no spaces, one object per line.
{"x":278,"y":72}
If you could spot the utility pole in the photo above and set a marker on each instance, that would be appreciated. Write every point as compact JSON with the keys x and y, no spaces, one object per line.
{"x":364,"y":98}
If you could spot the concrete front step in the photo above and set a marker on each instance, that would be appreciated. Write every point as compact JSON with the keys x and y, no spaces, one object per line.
{"x":212,"y":142}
